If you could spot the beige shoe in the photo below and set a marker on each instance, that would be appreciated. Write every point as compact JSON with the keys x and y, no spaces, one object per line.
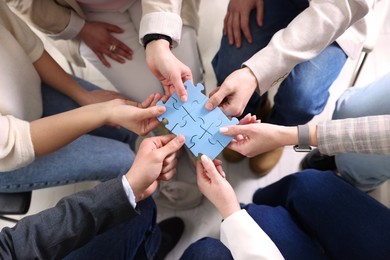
{"x":263,"y":163}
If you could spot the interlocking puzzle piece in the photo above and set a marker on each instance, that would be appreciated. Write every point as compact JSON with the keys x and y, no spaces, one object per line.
{"x":199,"y":126}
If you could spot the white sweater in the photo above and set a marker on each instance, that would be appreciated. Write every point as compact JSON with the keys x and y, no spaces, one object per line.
{"x":20,"y":88}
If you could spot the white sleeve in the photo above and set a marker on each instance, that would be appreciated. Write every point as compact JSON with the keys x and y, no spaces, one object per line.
{"x":76,"y":23}
{"x":162,"y":17}
{"x":246,"y":240}
{"x":16,"y":148}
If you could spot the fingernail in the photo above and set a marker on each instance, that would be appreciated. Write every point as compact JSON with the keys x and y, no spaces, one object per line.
{"x":180,"y":139}
{"x":223,"y":174}
{"x":204,"y":159}
{"x":209,"y":106}
{"x":183,"y":98}
{"x":223,"y":130}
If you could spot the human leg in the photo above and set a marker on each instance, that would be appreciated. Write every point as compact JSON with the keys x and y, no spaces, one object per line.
{"x":346,"y":222}
{"x":305,"y":91}
{"x":365,"y":171}
{"x":137,"y":238}
{"x":278,"y":14}
{"x":85,"y":159}
{"x":207,"y":248}
{"x":292,"y":242}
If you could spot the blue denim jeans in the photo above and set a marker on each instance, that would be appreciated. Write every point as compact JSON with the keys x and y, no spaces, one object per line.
{"x":365,"y":171}
{"x":103,"y":154}
{"x":304,"y":93}
{"x":137,"y":238}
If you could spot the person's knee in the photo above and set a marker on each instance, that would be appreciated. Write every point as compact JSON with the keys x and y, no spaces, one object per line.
{"x":207,"y":248}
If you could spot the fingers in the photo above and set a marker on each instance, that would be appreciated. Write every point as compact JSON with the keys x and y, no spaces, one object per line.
{"x":180,"y":90}
{"x":260,"y":13}
{"x":171,"y":146}
{"x":245,"y":28}
{"x":237,"y":30}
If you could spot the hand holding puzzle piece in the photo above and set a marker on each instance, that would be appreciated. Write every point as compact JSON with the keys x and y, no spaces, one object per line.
{"x":199,"y":126}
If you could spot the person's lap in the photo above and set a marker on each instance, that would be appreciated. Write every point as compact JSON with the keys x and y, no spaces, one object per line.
{"x":365,"y":171}
{"x":333,"y":212}
{"x":87,"y":158}
{"x":304,"y":93}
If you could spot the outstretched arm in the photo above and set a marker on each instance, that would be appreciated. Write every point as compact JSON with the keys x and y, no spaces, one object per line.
{"x":76,"y":219}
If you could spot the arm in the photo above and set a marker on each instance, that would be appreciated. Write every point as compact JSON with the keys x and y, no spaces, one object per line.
{"x":76,"y":219}
{"x":300,"y":41}
{"x":239,"y":232}
{"x":50,"y":133}
{"x":68,"y":22}
{"x":21,"y":141}
{"x":355,"y":135}
{"x":53,"y":75}
{"x":163,"y":17}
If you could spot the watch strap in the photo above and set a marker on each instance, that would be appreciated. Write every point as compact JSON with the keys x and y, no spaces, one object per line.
{"x":303,"y":139}
{"x":156,"y":36}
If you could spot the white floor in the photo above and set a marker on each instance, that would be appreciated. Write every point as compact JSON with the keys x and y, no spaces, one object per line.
{"x":204,"y":219}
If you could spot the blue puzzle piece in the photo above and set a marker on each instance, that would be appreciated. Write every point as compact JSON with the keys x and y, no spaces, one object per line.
{"x":199,"y":126}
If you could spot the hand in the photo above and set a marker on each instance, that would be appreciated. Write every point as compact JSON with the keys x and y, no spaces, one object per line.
{"x":155,"y":160}
{"x":141,"y":120}
{"x":98,"y":37}
{"x":234,"y":93}
{"x":256,"y":138}
{"x":237,"y":19}
{"x":170,"y":71}
{"x":213,"y":184}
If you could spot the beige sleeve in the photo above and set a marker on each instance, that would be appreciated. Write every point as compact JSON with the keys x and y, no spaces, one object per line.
{"x":16,"y":148}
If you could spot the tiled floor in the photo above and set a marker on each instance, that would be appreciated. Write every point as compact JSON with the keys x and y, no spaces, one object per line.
{"x":204,"y":219}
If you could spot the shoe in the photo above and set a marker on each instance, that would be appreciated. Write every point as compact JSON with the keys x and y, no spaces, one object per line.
{"x":318,"y":161}
{"x":171,"y":231}
{"x":263,"y":163}
{"x":232,"y":156}
{"x":264,"y":109}
{"x":178,"y":195}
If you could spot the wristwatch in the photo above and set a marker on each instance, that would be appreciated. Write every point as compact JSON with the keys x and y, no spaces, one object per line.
{"x":303,"y":139}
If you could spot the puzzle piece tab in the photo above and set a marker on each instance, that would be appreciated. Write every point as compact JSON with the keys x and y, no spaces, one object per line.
{"x":199,"y":126}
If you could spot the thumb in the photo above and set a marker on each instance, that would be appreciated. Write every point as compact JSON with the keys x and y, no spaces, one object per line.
{"x":210,"y":168}
{"x":233,"y":130}
{"x":173,"y":146}
{"x":151,"y":112}
{"x":216,"y":99}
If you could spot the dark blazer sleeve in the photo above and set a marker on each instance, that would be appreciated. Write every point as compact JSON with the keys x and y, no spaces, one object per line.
{"x":55,"y":232}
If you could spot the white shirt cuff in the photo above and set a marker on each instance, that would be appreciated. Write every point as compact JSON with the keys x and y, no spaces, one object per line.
{"x":245,"y":238}
{"x":129,"y":191}
{"x":166,"y":23}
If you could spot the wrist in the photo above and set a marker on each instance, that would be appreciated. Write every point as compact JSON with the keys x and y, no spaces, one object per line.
{"x":251,"y":76}
{"x":155,"y":37}
{"x":304,"y":139}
